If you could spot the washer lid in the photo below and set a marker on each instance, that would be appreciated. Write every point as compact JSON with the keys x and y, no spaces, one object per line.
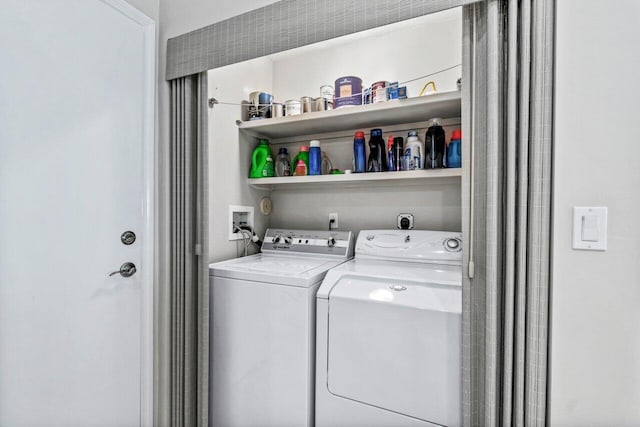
{"x":277,"y":269}
{"x":395,"y":344}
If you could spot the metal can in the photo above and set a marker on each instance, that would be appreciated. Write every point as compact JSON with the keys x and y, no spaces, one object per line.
{"x":348,"y":91}
{"x":277,"y":109}
{"x":320,"y":104}
{"x":379,"y":92}
{"x":366,"y":95}
{"x":293,"y":107}
{"x":260,"y":107}
{"x":307,"y":104}
{"x":326,"y":91}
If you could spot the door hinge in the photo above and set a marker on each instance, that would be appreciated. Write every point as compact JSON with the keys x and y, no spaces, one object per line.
{"x":471,"y":269}
{"x":198,"y":249}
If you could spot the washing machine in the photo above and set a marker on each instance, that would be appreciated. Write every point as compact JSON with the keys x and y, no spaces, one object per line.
{"x":263,"y":328}
{"x":388,"y":333}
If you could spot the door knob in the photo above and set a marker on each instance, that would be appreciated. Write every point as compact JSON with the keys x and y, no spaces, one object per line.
{"x":127,"y":269}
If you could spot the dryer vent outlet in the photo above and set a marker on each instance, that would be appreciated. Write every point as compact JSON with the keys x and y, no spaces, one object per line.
{"x":405,"y":221}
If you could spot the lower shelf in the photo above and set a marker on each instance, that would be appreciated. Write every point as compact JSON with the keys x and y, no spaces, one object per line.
{"x":359,"y":179}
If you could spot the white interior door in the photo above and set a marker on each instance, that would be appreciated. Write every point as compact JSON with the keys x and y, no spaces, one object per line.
{"x":76,"y":138}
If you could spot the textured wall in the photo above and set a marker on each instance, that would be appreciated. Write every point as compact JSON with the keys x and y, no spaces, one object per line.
{"x":595,"y":352}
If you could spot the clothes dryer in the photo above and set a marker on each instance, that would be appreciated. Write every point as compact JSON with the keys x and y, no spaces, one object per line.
{"x":388,"y":333}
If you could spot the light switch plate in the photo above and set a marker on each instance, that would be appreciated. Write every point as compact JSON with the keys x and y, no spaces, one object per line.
{"x":590,"y":228}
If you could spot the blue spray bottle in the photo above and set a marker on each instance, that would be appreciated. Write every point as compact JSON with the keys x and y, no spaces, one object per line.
{"x":359,"y":153}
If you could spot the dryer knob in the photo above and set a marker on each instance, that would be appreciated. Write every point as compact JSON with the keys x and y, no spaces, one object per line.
{"x":331,"y":242}
{"x":452,"y":245}
{"x":276,"y":239}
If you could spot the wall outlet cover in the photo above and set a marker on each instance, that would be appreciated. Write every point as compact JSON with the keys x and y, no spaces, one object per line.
{"x":335,"y":224}
{"x":405,"y":221}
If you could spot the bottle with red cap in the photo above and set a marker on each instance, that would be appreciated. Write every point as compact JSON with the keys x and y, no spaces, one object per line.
{"x":391,"y":159}
{"x":303,"y":155}
{"x":359,"y":153}
{"x":454,"y":150}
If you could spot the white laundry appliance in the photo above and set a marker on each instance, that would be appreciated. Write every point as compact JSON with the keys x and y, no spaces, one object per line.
{"x":388,"y":333}
{"x":263,"y":328}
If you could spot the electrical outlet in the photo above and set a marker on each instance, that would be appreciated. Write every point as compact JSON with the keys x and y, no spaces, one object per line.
{"x":333,"y":225}
{"x":405,"y":221}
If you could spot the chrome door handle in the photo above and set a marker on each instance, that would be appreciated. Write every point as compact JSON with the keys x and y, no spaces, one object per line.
{"x":127,"y":269}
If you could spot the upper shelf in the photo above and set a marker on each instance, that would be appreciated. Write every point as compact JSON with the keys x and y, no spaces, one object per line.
{"x":442,"y":105}
{"x":357,"y":179}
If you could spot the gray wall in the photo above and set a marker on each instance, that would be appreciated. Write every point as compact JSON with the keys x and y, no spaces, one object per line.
{"x":595,"y":353}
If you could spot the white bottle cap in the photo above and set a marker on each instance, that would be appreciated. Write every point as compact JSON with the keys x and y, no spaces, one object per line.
{"x":314,"y":143}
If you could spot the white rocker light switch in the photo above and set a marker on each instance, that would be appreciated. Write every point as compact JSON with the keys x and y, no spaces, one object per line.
{"x":590,"y":228}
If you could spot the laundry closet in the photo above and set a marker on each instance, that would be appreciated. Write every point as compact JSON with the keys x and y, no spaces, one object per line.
{"x":404,"y":52}
{"x":352,"y":308}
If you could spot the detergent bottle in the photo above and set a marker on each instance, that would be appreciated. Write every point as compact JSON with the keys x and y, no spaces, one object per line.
{"x":262,"y":161}
{"x":454,"y":150}
{"x":283,"y":164}
{"x":359,"y":153}
{"x":435,"y":146}
{"x":303,"y":155}
{"x":377,"y":153}
{"x":414,"y":151}
{"x":391,"y":158}
{"x":315,"y":158}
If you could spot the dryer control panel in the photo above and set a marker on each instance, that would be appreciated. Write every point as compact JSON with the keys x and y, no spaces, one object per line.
{"x":309,"y":242}
{"x":435,"y":247}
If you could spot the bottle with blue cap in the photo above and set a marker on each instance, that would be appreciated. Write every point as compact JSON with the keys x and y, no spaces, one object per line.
{"x":283,"y":164}
{"x":359,"y":156}
{"x":377,"y":152}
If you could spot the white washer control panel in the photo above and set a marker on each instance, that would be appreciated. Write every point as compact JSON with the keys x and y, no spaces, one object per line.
{"x":309,"y":242}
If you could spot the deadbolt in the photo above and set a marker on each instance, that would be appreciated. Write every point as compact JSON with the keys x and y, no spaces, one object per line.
{"x":127,"y":269}
{"x":128,"y":237}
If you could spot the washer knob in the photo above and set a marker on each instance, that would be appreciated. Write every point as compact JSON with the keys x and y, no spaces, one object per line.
{"x":277,"y":239}
{"x":331,"y":242}
{"x":452,"y":245}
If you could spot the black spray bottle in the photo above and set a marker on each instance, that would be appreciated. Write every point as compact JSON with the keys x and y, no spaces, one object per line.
{"x":377,"y":153}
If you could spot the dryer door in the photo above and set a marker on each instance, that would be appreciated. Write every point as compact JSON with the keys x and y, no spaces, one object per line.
{"x":396,"y":345}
